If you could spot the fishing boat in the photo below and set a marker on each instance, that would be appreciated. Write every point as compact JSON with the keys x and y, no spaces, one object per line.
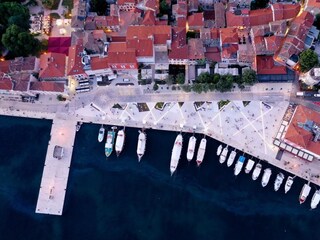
{"x":304,"y":193}
{"x":141,"y":147}
{"x":239,"y":165}
{"x":289,"y":183}
{"x":101,"y":134}
{"x":219,"y":149}
{"x":266,"y":177}
{"x":278,"y":181}
{"x":191,"y":147}
{"x":108,"y":148}
{"x":231,"y":158}
{"x":223,"y":155}
{"x":201,"y":151}
{"x":176,"y":153}
{"x":315,"y":199}
{"x":249,"y":166}
{"x":120,"y":141}
{"x":256,"y":171}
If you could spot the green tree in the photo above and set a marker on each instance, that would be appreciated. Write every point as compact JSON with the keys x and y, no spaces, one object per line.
{"x":225,"y":83}
{"x":186,"y":88}
{"x":316,"y":22}
{"x":197,"y":87}
{"x":98,"y":6}
{"x":204,"y":77}
{"x":155,"y":87}
{"x":20,"y":43}
{"x":307,"y":60}
{"x":249,"y":77}
{"x":180,"y":79}
{"x":258,"y":4}
{"x":164,"y":7}
{"x":14,"y":13}
{"x":169,"y":79}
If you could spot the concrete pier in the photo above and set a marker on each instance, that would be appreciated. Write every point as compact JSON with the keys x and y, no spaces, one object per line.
{"x":56,"y":169}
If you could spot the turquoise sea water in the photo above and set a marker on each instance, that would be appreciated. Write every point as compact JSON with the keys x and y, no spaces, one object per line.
{"x":120,"y":198}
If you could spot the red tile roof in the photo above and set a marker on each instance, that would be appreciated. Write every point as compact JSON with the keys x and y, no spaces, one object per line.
{"x":299,"y":136}
{"x":266,"y":65}
{"x":228,"y":35}
{"x":196,"y":20}
{"x":273,"y":43}
{"x":5,"y":82}
{"x":181,"y":8}
{"x":20,"y":81}
{"x":4,"y":66}
{"x":220,"y":15}
{"x":177,"y":51}
{"x":260,"y":17}
{"x":181,"y":22}
{"x":123,"y":2}
{"x":52,"y":65}
{"x":234,"y":20}
{"x":229,"y":51}
{"x":106,"y":21}
{"x":160,"y":33}
{"x":118,"y":53}
{"x":99,"y":63}
{"x":213,"y":54}
{"x":47,"y":86}
{"x":149,"y":18}
{"x":75,"y":66}
{"x":59,"y":44}
{"x":195,"y":49}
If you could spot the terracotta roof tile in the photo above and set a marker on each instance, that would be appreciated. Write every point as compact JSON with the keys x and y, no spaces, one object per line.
{"x":149,"y":18}
{"x":5,"y":82}
{"x":52,"y":65}
{"x":195,"y":20}
{"x":75,"y":66}
{"x":47,"y":86}
{"x":160,"y":33}
{"x":228,"y":35}
{"x":195,"y":49}
{"x":266,"y":65}
{"x":97,"y":63}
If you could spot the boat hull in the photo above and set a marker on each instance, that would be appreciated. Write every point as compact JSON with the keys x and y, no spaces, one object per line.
{"x":191,"y":148}
{"x":142,"y":139}
{"x":176,"y":153}
{"x":304,"y":193}
{"x":120,"y":141}
{"x":101,"y":134}
{"x":109,"y":143}
{"x":201,"y":151}
{"x":231,"y":158}
{"x":256,"y":172}
{"x":315,"y":199}
{"x":266,"y":177}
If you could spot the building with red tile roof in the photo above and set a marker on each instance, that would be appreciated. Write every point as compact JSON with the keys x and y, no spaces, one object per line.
{"x":267,"y":65}
{"x":260,"y":16}
{"x":20,"y":81}
{"x":195,"y":49}
{"x":74,"y":64}
{"x":149,"y":18}
{"x":107,"y":23}
{"x":121,"y":58}
{"x":4,"y":66}
{"x":52,"y":66}
{"x":180,"y":9}
{"x":212,"y":54}
{"x":47,"y":87}
{"x":293,"y":44}
{"x":195,"y":21}
{"x":229,"y":53}
{"x":161,"y":34}
{"x":312,"y":6}
{"x":300,"y":136}
{"x":229,"y":35}
{"x":5,"y":82}
{"x":98,"y":63}
{"x":126,"y":5}
{"x":284,"y":11}
{"x":220,"y":15}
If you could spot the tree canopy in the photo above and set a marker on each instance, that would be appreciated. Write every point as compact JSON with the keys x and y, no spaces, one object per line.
{"x":99,"y":6}
{"x":258,"y":4}
{"x":308,"y":59}
{"x":19,"y":42}
{"x":180,"y":79}
{"x":14,"y":13}
{"x":249,"y":77}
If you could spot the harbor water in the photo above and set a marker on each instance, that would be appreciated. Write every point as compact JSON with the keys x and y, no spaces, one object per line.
{"x":120,"y":198}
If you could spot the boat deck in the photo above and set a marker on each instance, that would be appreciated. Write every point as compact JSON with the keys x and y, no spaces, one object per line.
{"x":56,"y":171}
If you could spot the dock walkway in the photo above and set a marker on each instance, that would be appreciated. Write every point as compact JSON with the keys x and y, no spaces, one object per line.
{"x":56,"y":171}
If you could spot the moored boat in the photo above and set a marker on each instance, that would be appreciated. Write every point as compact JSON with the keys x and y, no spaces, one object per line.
{"x":288,"y":185}
{"x":239,"y":165}
{"x":304,"y":193}
{"x":256,"y":171}
{"x":231,"y":158}
{"x":266,"y":177}
{"x":120,"y":141}
{"x":201,"y":151}
{"x":315,"y":199}
{"x":249,"y":166}
{"x":141,"y":147}
{"x":108,"y":148}
{"x":223,"y":155}
{"x":176,"y":153}
{"x":101,"y":134}
{"x":191,"y":147}
{"x":219,"y":149}
{"x":278,"y":181}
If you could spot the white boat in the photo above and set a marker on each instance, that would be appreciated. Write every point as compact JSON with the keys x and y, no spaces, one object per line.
{"x":315,"y":199}
{"x":141,"y":147}
{"x":219,"y":149}
{"x":249,"y":166}
{"x":288,"y":185}
{"x":191,"y":147}
{"x":120,"y":141}
{"x":239,"y":165}
{"x":101,"y":134}
{"x":201,"y":151}
{"x":304,"y":193}
{"x":223,"y":155}
{"x":278,"y":181}
{"x":266,"y":177}
{"x":176,"y":153}
{"x":256,"y":171}
{"x":231,"y":158}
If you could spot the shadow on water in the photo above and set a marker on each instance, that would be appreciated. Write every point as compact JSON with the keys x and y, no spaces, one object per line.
{"x":120,"y":198}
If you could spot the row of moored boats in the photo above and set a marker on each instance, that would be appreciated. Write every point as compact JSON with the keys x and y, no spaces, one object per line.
{"x":117,"y":140}
{"x":222,"y":153}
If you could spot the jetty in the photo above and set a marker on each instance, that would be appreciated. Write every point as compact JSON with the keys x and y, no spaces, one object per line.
{"x":56,"y":167}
